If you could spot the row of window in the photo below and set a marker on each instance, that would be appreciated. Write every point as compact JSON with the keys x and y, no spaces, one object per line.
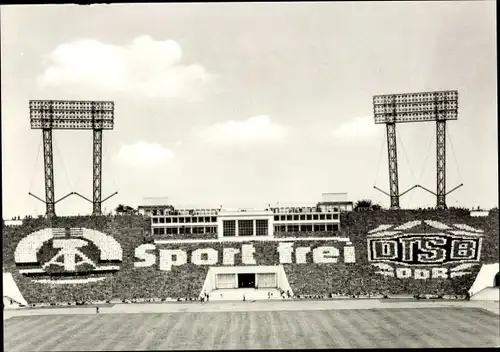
{"x":192,"y":212}
{"x":297,"y":217}
{"x":184,"y":220}
{"x":200,"y":219}
{"x":281,"y":210}
{"x":208,"y":219}
{"x":336,"y":209}
{"x":321,"y":209}
{"x":184,"y":230}
{"x":307,"y":228}
{"x":229,"y":231}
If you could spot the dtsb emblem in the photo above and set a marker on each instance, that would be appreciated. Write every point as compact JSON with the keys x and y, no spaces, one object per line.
{"x":68,"y":256}
{"x":424,"y":249}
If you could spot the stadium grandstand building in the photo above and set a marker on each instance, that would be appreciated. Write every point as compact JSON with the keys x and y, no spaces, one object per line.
{"x":167,"y":220}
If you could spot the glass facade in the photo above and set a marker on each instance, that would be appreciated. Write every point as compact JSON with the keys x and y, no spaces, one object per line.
{"x":245,"y":227}
{"x":261,"y":227}
{"x":229,"y":228}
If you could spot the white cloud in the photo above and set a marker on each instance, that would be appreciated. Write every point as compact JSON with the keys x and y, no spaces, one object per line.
{"x":145,"y":67}
{"x":143,"y":153}
{"x":254,"y":129}
{"x":356,"y":129}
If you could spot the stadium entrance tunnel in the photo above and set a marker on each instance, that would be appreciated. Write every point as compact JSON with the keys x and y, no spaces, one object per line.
{"x":256,"y":281}
{"x":246,"y":280}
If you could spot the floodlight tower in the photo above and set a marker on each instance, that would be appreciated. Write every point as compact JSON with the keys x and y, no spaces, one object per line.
{"x":417,"y":107}
{"x":48,"y":115}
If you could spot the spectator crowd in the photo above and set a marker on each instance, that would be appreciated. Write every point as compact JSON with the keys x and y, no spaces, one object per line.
{"x":308,"y":281}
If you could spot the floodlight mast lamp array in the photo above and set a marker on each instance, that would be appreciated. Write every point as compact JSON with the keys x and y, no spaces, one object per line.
{"x":437,"y":106}
{"x":48,"y":115}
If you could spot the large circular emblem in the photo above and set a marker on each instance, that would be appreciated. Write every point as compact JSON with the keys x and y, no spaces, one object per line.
{"x":70,"y":255}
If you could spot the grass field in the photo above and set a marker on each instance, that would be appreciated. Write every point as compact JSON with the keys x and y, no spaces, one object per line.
{"x":379,"y":328}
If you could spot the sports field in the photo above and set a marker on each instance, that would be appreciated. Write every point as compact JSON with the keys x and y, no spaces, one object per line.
{"x":379,"y":328}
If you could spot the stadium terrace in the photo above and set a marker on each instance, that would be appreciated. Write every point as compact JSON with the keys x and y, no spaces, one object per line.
{"x":295,"y":252}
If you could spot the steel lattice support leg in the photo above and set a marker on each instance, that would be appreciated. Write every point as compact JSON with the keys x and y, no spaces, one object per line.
{"x":49,"y":173}
{"x":441,"y":164}
{"x":97,"y":174}
{"x":393,"y":165}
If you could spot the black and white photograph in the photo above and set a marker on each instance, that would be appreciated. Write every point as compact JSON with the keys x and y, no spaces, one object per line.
{"x":249,"y":175}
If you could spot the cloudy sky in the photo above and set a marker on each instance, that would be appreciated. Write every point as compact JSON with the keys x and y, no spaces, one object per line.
{"x":246,"y":104}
